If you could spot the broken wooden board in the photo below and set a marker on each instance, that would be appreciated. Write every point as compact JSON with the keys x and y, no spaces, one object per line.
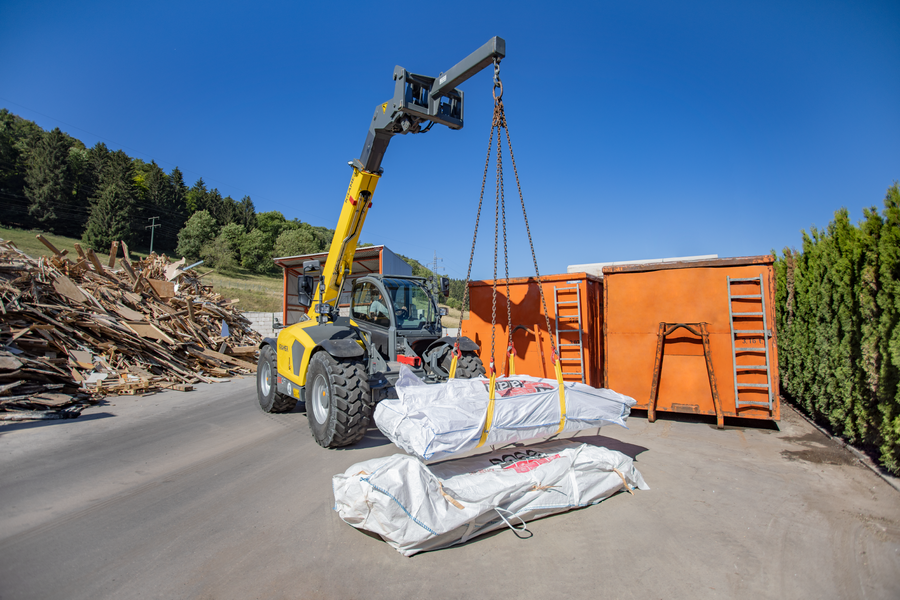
{"x":163,"y":289}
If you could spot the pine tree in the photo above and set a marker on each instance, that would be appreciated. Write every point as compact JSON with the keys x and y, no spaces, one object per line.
{"x":177,"y":211}
{"x":17,"y":138}
{"x":247,"y":213}
{"x":112,"y":209}
{"x":48,"y":180}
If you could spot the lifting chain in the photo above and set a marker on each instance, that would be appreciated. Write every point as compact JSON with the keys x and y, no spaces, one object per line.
{"x":498,"y":123}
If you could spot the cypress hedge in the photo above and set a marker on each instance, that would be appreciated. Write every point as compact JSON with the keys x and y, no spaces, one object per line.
{"x":837,"y":310}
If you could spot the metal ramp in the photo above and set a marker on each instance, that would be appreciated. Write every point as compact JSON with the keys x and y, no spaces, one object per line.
{"x":750,"y":344}
{"x":569,"y":341}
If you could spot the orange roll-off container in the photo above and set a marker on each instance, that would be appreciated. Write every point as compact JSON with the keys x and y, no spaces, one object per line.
{"x":729,"y":294}
{"x":574,"y":304}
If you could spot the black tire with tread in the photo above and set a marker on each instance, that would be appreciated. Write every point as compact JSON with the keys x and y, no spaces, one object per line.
{"x":274,"y":402}
{"x":349,"y":411}
{"x":468,"y":366}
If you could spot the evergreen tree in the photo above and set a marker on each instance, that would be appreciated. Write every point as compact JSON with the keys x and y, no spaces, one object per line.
{"x":177,"y":211}
{"x":246,"y":213}
{"x":17,"y":138}
{"x":112,"y":209}
{"x":76,"y":208}
{"x":195,"y":198}
{"x":888,"y":300}
{"x":48,"y":180}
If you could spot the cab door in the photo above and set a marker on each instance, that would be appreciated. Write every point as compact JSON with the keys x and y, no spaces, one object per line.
{"x":371,"y":309}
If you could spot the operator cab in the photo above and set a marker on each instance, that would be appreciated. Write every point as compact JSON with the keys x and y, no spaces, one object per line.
{"x":388,"y":307}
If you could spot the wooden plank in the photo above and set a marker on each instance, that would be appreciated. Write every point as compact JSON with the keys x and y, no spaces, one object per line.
{"x":243,"y":350}
{"x":129,"y":314}
{"x":113,"y":250}
{"x":163,"y":289}
{"x":128,"y":268}
{"x":48,"y":399}
{"x":82,"y":359}
{"x":80,"y":252}
{"x":149,"y":331}
{"x":67,"y":288}
{"x":9,"y":363}
{"x":47,"y":243}
{"x":230,"y":359}
{"x":98,"y":266}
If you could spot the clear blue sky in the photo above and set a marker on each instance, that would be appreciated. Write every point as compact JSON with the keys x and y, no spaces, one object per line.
{"x":640,"y":130}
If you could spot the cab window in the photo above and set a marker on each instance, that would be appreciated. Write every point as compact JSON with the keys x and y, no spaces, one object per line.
{"x":369,"y":305}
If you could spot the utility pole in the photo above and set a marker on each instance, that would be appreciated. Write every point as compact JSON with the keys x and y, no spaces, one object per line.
{"x":435,"y":278}
{"x":152,"y":227}
{"x":434,"y":264}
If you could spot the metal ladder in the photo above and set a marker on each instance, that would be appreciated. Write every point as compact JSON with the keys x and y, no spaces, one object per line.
{"x":748,"y":337}
{"x":562,"y":309}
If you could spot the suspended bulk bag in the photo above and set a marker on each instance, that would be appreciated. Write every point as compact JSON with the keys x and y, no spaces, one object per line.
{"x":415,"y":507}
{"x":438,"y":420}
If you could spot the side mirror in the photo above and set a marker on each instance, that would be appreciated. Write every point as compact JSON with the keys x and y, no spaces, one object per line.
{"x":305,"y":285}
{"x":445,"y":286}
{"x":305,"y":289}
{"x":442,"y":311}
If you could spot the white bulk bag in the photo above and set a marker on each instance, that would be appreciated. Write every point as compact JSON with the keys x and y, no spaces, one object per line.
{"x":438,"y":420}
{"x":415,"y":507}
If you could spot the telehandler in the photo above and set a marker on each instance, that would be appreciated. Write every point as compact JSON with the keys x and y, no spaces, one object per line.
{"x":340,"y":367}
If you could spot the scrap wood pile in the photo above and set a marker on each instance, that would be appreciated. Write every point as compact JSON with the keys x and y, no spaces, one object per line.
{"x":73,"y":330}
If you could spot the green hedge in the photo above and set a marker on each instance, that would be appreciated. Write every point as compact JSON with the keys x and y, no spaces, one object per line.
{"x":838,"y":306}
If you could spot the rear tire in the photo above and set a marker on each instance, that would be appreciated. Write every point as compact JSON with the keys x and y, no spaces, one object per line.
{"x":337,"y":392}
{"x":270,"y":400}
{"x":469,"y":366}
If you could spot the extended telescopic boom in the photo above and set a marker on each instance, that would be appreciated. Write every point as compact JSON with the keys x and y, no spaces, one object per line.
{"x":417,"y":99}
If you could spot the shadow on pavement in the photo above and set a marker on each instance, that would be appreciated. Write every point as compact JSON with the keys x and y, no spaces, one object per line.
{"x":631,"y":450}
{"x":733,"y":423}
{"x":20,"y":425}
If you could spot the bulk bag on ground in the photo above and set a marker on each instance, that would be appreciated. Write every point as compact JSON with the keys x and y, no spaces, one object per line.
{"x":416,"y":507}
{"x":438,"y":420}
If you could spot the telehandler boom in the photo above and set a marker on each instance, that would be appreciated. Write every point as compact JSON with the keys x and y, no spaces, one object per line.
{"x":342,"y":366}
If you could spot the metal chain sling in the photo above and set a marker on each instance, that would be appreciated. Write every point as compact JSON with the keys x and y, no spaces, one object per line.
{"x":498,"y":123}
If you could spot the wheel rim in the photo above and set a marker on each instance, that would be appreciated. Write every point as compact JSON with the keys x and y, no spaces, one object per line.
{"x":321,"y":400}
{"x":265,"y":379}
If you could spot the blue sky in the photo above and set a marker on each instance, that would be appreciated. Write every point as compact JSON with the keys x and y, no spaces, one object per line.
{"x":640,"y":129}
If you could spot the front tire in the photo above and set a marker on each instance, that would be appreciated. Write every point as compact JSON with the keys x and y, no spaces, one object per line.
{"x":270,"y":400}
{"x":336,"y":400}
{"x":469,"y":366}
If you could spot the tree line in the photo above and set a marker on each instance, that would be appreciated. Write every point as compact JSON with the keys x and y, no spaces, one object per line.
{"x":52,"y":181}
{"x":837,"y":310}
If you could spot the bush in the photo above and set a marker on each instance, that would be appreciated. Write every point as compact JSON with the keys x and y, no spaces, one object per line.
{"x":294,"y":242}
{"x":199,"y":229}
{"x":256,"y":251}
{"x":837,"y":311}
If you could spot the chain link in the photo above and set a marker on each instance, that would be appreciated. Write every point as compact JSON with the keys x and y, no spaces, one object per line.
{"x":465,"y":304}
{"x":537,"y":272}
{"x":498,"y":123}
{"x":496,"y":224}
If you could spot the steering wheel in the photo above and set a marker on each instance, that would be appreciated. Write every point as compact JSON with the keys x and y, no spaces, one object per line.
{"x":401,"y":313}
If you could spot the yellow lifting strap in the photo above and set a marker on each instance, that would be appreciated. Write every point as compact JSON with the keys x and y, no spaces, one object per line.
{"x":562,"y":393}
{"x":489,"y":419}
{"x":510,"y":361}
{"x":453,"y":362}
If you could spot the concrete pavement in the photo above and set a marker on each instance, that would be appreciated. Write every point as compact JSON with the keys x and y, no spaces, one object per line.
{"x":200,"y":495}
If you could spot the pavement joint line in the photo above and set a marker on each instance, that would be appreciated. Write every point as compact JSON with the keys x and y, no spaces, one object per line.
{"x":862,"y":457}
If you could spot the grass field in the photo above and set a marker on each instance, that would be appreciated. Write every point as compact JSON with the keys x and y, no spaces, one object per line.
{"x":255,"y":292}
